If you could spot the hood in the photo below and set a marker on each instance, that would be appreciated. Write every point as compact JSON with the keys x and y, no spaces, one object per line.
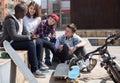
{"x":9,"y":16}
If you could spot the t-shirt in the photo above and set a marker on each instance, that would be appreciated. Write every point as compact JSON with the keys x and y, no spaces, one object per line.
{"x":31,"y":23}
{"x":74,"y":40}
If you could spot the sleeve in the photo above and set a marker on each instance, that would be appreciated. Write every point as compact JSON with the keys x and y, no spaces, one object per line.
{"x":25,"y":23}
{"x":11,"y":29}
{"x":57,"y":43}
{"x":76,"y":40}
{"x":25,"y":31}
{"x":39,"y":30}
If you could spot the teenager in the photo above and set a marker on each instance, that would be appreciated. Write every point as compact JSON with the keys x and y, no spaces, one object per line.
{"x":20,"y":39}
{"x":32,"y":18}
{"x":69,"y":44}
{"x":46,"y":31}
{"x":31,"y":22}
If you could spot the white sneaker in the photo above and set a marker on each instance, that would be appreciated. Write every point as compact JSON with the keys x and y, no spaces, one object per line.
{"x":81,"y":64}
{"x":39,"y":74}
{"x":44,"y":67}
{"x":87,"y":62}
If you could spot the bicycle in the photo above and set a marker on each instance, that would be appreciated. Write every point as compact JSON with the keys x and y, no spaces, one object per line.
{"x":108,"y":61}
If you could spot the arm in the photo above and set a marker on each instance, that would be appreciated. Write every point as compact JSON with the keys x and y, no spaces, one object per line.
{"x":58,"y":45}
{"x":39,"y":30}
{"x":80,"y":44}
{"x":11,"y":29}
{"x":25,"y":31}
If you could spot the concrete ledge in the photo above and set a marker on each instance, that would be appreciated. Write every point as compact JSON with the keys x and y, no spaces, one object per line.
{"x":5,"y":65}
{"x":9,"y":72}
{"x":96,"y":33}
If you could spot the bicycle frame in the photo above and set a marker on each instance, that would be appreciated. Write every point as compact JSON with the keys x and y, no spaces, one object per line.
{"x":107,"y":62}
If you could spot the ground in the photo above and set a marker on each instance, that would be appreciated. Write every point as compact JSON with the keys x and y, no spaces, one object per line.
{"x":97,"y":75}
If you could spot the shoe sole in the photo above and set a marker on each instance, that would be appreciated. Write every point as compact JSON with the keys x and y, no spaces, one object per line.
{"x":36,"y":76}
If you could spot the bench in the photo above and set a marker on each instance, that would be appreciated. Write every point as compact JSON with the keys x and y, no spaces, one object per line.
{"x":9,"y":72}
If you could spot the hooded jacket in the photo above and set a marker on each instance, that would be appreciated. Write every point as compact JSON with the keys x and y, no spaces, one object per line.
{"x":10,"y":30}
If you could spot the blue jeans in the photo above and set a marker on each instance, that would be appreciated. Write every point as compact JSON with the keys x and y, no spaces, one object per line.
{"x":34,"y":51}
{"x":47,"y":51}
{"x":48,"y":47}
{"x":64,"y":55}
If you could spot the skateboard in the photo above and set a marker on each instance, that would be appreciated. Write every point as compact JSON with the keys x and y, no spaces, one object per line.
{"x":61,"y":71}
{"x":19,"y":62}
{"x":73,"y":75}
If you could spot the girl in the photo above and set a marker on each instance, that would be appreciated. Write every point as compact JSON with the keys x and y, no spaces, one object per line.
{"x":31,"y":22}
{"x":32,"y":18}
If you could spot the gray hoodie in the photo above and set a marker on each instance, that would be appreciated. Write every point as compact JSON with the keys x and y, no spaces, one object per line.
{"x":10,"y":30}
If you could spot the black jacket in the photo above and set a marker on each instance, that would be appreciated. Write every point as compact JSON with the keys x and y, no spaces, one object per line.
{"x":10,"y":30}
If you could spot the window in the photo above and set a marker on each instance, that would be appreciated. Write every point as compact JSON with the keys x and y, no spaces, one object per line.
{"x":65,"y":19}
{"x":10,"y":6}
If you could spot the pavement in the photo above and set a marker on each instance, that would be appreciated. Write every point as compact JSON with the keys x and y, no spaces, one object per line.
{"x":97,"y":75}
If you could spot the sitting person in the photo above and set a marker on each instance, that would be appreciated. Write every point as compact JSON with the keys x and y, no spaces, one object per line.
{"x":20,"y":39}
{"x":31,"y":22}
{"x":69,"y":44}
{"x":46,"y":31}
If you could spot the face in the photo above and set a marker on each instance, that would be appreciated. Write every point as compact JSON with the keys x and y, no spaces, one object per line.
{"x":68,"y":32}
{"x":31,"y":10}
{"x":22,"y":14}
{"x":51,"y":21}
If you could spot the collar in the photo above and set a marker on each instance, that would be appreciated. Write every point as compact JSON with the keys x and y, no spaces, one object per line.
{"x":68,"y":38}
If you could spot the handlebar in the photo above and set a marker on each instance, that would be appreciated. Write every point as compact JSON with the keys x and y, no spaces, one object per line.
{"x":109,"y":40}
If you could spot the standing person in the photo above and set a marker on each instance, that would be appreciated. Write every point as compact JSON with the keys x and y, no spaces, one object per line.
{"x":69,"y":44}
{"x":20,"y":39}
{"x":31,"y":22}
{"x":46,"y":31}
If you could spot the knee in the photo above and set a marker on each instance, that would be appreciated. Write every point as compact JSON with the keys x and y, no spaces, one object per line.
{"x":39,"y":42}
{"x":30,"y":44}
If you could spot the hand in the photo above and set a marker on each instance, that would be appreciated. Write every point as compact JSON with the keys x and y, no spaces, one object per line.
{"x":35,"y":36}
{"x":71,"y":50}
{"x":60,"y":47}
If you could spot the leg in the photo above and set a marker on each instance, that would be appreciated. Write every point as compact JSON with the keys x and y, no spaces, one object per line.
{"x":39,"y":50}
{"x":63,"y":55}
{"x":47,"y":53}
{"x":80,"y":52}
{"x":32,"y":55}
{"x":49,"y":45}
{"x":28,"y":45}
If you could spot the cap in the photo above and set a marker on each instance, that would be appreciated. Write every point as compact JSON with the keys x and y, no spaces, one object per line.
{"x":55,"y":17}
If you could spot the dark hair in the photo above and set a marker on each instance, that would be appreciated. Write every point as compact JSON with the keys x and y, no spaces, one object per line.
{"x":37,"y":11}
{"x":72,"y":27}
{"x":20,"y":8}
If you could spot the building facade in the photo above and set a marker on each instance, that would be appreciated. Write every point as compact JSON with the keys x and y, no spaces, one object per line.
{"x":96,"y":14}
{"x":7,"y":7}
{"x":60,"y":7}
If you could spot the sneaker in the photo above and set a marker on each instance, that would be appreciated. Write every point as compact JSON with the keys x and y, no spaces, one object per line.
{"x":48,"y":63}
{"x":44,"y":67}
{"x":81,"y":64}
{"x":39,"y":74}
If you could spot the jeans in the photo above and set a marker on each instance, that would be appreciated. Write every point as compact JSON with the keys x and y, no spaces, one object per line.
{"x":50,"y":46}
{"x":34,"y":51}
{"x":64,"y":55}
{"x":47,"y":51}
